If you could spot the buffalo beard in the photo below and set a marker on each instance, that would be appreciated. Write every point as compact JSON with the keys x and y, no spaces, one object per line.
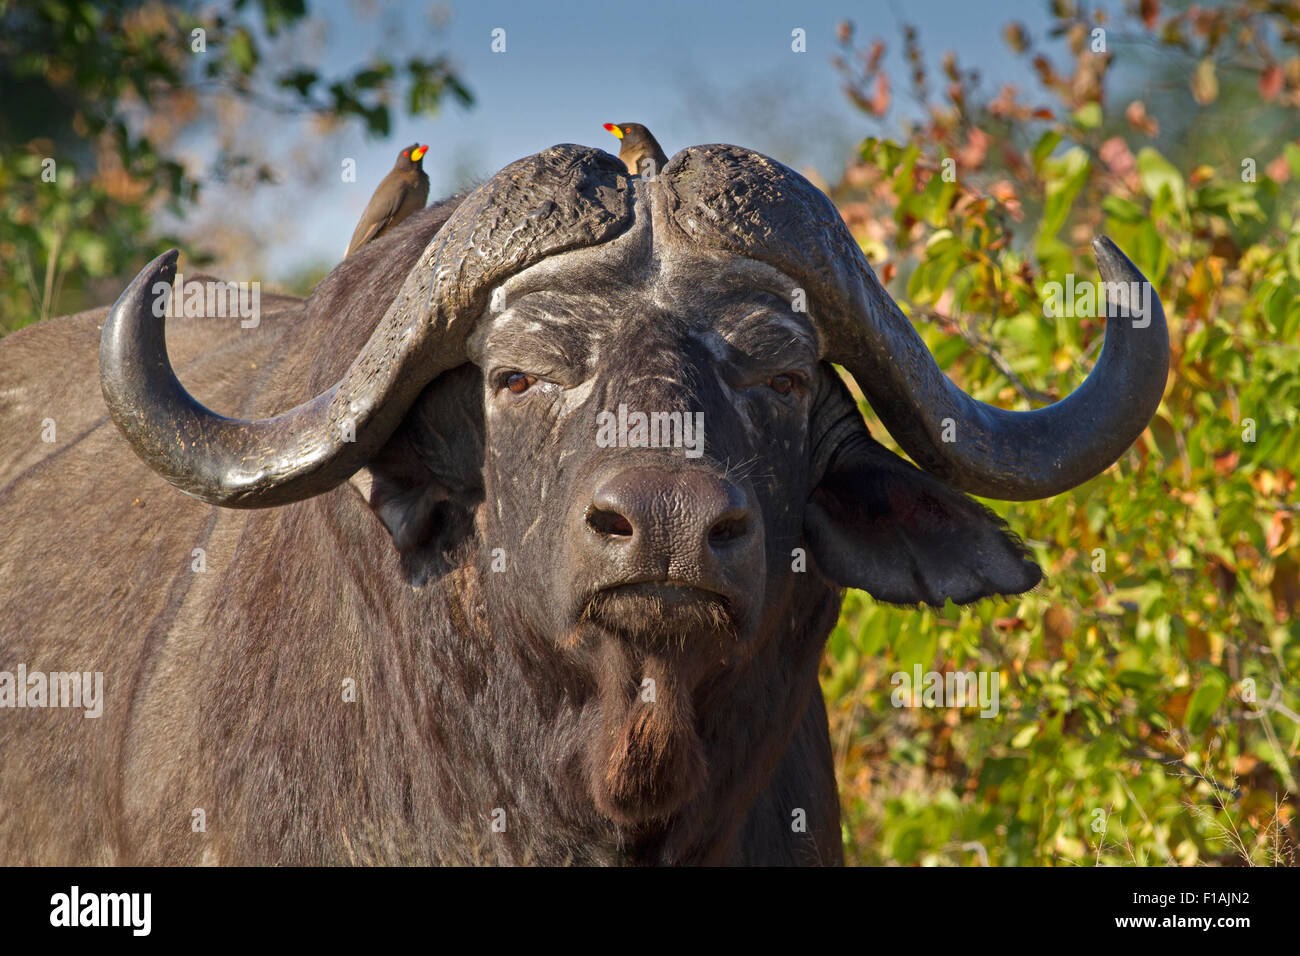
{"x":652,"y":652}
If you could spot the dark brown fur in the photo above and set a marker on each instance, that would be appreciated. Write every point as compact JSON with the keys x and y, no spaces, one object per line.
{"x":482,"y":698}
{"x":227,"y":699}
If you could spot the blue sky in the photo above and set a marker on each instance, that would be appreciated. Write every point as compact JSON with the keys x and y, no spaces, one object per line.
{"x":694,"y":72}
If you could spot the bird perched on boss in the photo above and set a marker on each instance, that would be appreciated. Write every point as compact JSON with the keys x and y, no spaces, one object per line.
{"x":402,"y":192}
{"x":640,"y":152}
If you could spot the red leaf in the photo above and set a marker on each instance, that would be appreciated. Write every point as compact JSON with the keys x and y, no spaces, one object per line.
{"x":1279,"y":530}
{"x":1270,"y":82}
{"x":1137,"y":116}
{"x":1150,"y":12}
{"x":881,"y":100}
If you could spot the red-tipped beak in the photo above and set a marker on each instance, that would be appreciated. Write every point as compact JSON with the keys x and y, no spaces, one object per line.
{"x":418,"y":153}
{"x":613,"y":128}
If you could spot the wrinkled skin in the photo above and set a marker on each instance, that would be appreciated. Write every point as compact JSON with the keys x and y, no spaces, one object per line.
{"x":563,"y":652}
{"x":687,"y":353}
{"x":728,"y":627}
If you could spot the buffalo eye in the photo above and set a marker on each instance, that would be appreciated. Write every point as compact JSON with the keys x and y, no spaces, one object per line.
{"x":781,"y":384}
{"x":518,"y":382}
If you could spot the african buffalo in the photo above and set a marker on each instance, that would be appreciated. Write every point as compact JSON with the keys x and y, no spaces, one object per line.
{"x":454,"y":604}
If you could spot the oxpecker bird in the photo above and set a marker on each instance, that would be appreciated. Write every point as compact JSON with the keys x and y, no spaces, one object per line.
{"x":639,"y":147}
{"x":402,"y":192}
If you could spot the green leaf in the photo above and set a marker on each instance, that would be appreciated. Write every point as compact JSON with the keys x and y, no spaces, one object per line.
{"x":1292,"y":256}
{"x":373,"y":77}
{"x":1087,"y":116}
{"x":884,"y":154}
{"x":1044,"y":147}
{"x":874,"y":632}
{"x":1205,"y":82}
{"x":1292,"y":153}
{"x":278,"y":14}
{"x":242,"y":51}
{"x":1206,"y":700}
{"x":1065,"y":177}
{"x":1025,"y":736}
{"x":915,"y":646}
{"x":299,"y":80}
{"x":1123,"y":210}
{"x":1156,"y":174}
{"x":936,"y":199}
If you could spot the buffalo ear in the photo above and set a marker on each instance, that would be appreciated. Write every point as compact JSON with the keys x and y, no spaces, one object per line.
{"x":424,"y":483}
{"x":406,"y":501}
{"x":878,"y":523}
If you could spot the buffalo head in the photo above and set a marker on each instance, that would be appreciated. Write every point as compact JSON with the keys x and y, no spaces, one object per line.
{"x":625,"y":390}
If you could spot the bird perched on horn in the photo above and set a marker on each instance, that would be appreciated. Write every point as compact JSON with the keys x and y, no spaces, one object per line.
{"x":640,"y":151}
{"x":403,"y":191}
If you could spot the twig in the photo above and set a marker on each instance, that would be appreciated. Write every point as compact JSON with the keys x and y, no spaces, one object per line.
{"x":992,"y":354}
{"x":51,"y":269}
{"x":1161,"y":845}
{"x":1143,"y":753}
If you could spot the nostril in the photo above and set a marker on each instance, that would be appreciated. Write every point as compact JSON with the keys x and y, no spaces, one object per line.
{"x":732,"y":525}
{"x":607,"y":522}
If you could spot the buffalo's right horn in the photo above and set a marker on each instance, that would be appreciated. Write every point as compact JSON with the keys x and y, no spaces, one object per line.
{"x":307,"y":450}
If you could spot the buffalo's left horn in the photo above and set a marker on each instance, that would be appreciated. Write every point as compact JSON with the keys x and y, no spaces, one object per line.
{"x":497,"y":231}
{"x":745,"y":202}
{"x":1017,"y":456}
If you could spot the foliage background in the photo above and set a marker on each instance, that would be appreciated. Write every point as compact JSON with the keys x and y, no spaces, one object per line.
{"x":117,"y":93}
{"x":1149,"y":708}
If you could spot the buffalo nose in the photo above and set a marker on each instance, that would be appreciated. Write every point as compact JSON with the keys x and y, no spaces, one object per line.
{"x":687,"y":514}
